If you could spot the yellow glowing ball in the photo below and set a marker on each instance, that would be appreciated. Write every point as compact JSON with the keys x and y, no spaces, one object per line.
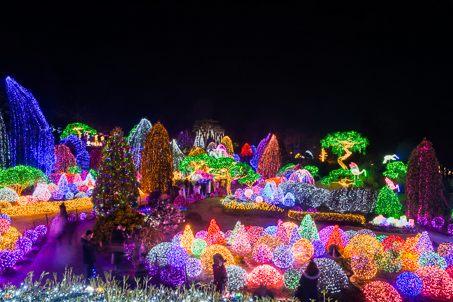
{"x":361,"y":244}
{"x":364,"y":266}
{"x":206,"y":257}
{"x":9,"y":239}
{"x":269,"y":240}
{"x":22,"y":201}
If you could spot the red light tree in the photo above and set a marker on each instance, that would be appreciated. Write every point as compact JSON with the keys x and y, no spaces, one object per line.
{"x":271,"y":160}
{"x":424,"y":196}
{"x":95,"y":159}
{"x":214,"y":236}
{"x":64,"y":159}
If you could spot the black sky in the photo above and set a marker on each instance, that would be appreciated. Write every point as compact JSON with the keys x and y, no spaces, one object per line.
{"x":317,"y":67}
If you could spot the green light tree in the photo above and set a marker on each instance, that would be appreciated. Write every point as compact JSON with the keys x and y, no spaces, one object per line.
{"x":395,"y":169}
{"x":342,"y":145}
{"x":117,"y":182}
{"x":192,"y":164}
{"x":388,"y":204}
{"x":21,"y":177}
{"x":77,"y":129}
{"x":308,"y":230}
{"x":226,"y":168}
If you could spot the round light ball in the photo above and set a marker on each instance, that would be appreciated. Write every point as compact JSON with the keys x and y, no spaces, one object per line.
{"x":409,"y":284}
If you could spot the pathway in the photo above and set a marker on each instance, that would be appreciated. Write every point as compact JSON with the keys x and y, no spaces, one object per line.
{"x":54,"y":257}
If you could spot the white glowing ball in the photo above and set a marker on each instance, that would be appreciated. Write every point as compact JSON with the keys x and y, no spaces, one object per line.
{"x":248,"y":193}
{"x":259,"y":199}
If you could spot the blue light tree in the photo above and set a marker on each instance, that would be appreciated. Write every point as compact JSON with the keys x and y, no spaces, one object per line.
{"x":4,"y":145}
{"x":82,"y":156}
{"x":31,"y":138}
{"x":136,"y":140}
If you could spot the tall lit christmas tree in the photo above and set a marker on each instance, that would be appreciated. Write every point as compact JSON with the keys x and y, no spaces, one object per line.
{"x":176,"y":155}
{"x":117,"y":182}
{"x":156,"y":164}
{"x":271,"y":160}
{"x":307,"y":229}
{"x":4,"y":145}
{"x":259,"y":151}
{"x":214,"y":236}
{"x":226,"y":141}
{"x":388,"y":204}
{"x":31,"y":138}
{"x":423,"y":183}
{"x":136,"y":140}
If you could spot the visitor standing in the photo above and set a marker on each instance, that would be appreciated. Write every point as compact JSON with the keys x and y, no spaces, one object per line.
{"x":186,"y":187}
{"x":117,"y":244}
{"x":88,"y":249}
{"x":308,"y":283}
{"x":220,"y":274}
{"x":208,"y":187}
{"x":62,"y":222}
{"x":203,"y":188}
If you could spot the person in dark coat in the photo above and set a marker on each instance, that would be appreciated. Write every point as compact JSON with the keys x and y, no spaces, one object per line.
{"x":62,"y":222}
{"x":220,"y":274}
{"x":88,"y":249}
{"x":117,"y":245}
{"x":190,"y":188}
{"x":308,"y":283}
{"x":203,"y":188}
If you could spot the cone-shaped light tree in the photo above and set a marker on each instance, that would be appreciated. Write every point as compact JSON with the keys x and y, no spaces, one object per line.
{"x":136,"y":140}
{"x":4,"y":145}
{"x":117,"y":182}
{"x":156,"y":164}
{"x":226,"y":141}
{"x":423,"y":183}
{"x":271,"y":160}
{"x":64,"y":159}
{"x":387,"y":203}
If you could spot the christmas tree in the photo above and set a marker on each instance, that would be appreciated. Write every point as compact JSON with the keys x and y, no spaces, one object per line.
{"x":235,"y":231}
{"x":267,"y":190}
{"x":214,"y":236}
{"x":423,"y":183}
{"x":259,"y":151}
{"x":117,"y":180}
{"x":241,"y":244}
{"x":136,"y":140}
{"x":388,"y":204}
{"x":294,"y":236}
{"x":187,"y":239}
{"x":308,"y":230}
{"x":176,"y":155}
{"x":156,"y":164}
{"x":335,"y":239}
{"x":271,"y":159}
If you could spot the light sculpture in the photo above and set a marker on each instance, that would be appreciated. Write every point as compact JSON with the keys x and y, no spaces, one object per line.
{"x":136,"y":140}
{"x":291,"y":278}
{"x":271,"y":159}
{"x":31,"y":138}
{"x":206,"y":257}
{"x":332,"y":277}
{"x":378,"y":291}
{"x":265,"y":275}
{"x":237,"y":277}
{"x":185,"y":141}
{"x":283,"y":256}
{"x":193,"y":267}
{"x":437,"y":284}
{"x":259,"y":151}
{"x":4,"y":145}
{"x":388,"y":158}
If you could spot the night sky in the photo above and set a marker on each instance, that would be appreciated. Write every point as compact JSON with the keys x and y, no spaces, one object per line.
{"x":314,"y":68}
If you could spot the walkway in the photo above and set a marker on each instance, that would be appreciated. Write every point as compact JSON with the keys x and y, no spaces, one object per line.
{"x":54,"y":257}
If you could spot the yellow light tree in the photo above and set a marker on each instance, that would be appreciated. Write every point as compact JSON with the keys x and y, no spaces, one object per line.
{"x":226,"y":141}
{"x":187,"y":239}
{"x":156,"y":164}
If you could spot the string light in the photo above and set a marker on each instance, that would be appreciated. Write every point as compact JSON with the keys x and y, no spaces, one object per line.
{"x":8,"y":194}
{"x":24,"y":244}
{"x":9,"y":239}
{"x":31,"y":138}
{"x":228,"y":144}
{"x":47,"y":207}
{"x":198,"y":247}
{"x":206,"y":257}
{"x":64,"y":159}
{"x":264,"y":275}
{"x":269,"y":240}
{"x":303,"y":250}
{"x":237,"y":277}
{"x":173,"y":277}
{"x":241,"y":244}
{"x":431,"y":259}
{"x":187,"y":239}
{"x":445,"y":248}
{"x":351,"y":234}
{"x":388,"y":203}
{"x":409,"y":284}
{"x":325,"y":233}
{"x":7,"y":259}
{"x":323,"y":155}
{"x":389,"y":261}
{"x":303,"y":176}
{"x":409,"y":263}
{"x":4,"y":226}
{"x":362,"y":244}
{"x":283,"y":256}
{"x":271,"y":159}
{"x":332,"y":277}
{"x":201,"y":235}
{"x":136,"y":140}
{"x":437,"y":284}
{"x":395,"y":169}
{"x":214,"y":236}
{"x":255,"y":233}
{"x":193,"y":267}
{"x":335,"y":239}
{"x":262,"y":253}
{"x":4,"y":145}
{"x":364,"y":266}
{"x":378,"y":291}
{"x":231,"y":204}
{"x":159,"y":253}
{"x":185,"y":141}
{"x":319,"y":248}
{"x":291,"y":278}
{"x":424,"y":244}
{"x":82,"y":156}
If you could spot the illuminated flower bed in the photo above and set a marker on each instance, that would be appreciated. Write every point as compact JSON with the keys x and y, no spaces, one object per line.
{"x":47,"y":207}
{"x":323,"y":216}
{"x":234,"y":205}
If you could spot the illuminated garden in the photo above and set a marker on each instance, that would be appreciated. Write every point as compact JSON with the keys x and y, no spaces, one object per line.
{"x":379,"y":228}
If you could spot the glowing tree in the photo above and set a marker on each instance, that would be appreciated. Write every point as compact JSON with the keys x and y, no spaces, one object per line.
{"x":78,"y":129}
{"x":246,"y":151}
{"x":335,"y":239}
{"x":192,"y":164}
{"x":342,"y":145}
{"x":395,"y":169}
{"x":198,"y":143}
{"x":4,"y":145}
{"x":234,"y":232}
{"x":81,"y":154}
{"x":187,"y":239}
{"x":250,"y":179}
{"x":228,"y":169}
{"x":388,"y":204}
{"x":424,"y":196}
{"x":21,"y":177}
{"x":259,"y":151}
{"x":95,"y":159}
{"x":211,"y":149}
{"x":185,"y":141}
{"x":214,"y":236}
{"x":226,"y":141}
{"x":206,"y":129}
{"x":64,"y":159}
{"x":31,"y":138}
{"x":136,"y":140}
{"x":176,"y":155}
{"x":116,"y":183}
{"x":156,"y":165}
{"x":308,"y":229}
{"x":271,"y":160}
{"x":241,"y":243}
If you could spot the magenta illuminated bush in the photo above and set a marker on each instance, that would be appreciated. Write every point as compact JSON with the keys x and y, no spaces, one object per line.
{"x":422,"y":221}
{"x":262,"y":254}
{"x":437,"y":222}
{"x":41,"y":230}
{"x":201,"y":235}
{"x":180,"y":201}
{"x":24,"y":244}
{"x":7,"y":259}
{"x":82,"y":216}
{"x":32,"y":235}
{"x":450,"y":229}
{"x":173,"y":277}
{"x":72,"y":218}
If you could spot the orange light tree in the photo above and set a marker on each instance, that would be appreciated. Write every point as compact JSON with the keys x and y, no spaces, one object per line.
{"x":156,"y":164}
{"x":271,"y":159}
{"x":226,"y":141}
